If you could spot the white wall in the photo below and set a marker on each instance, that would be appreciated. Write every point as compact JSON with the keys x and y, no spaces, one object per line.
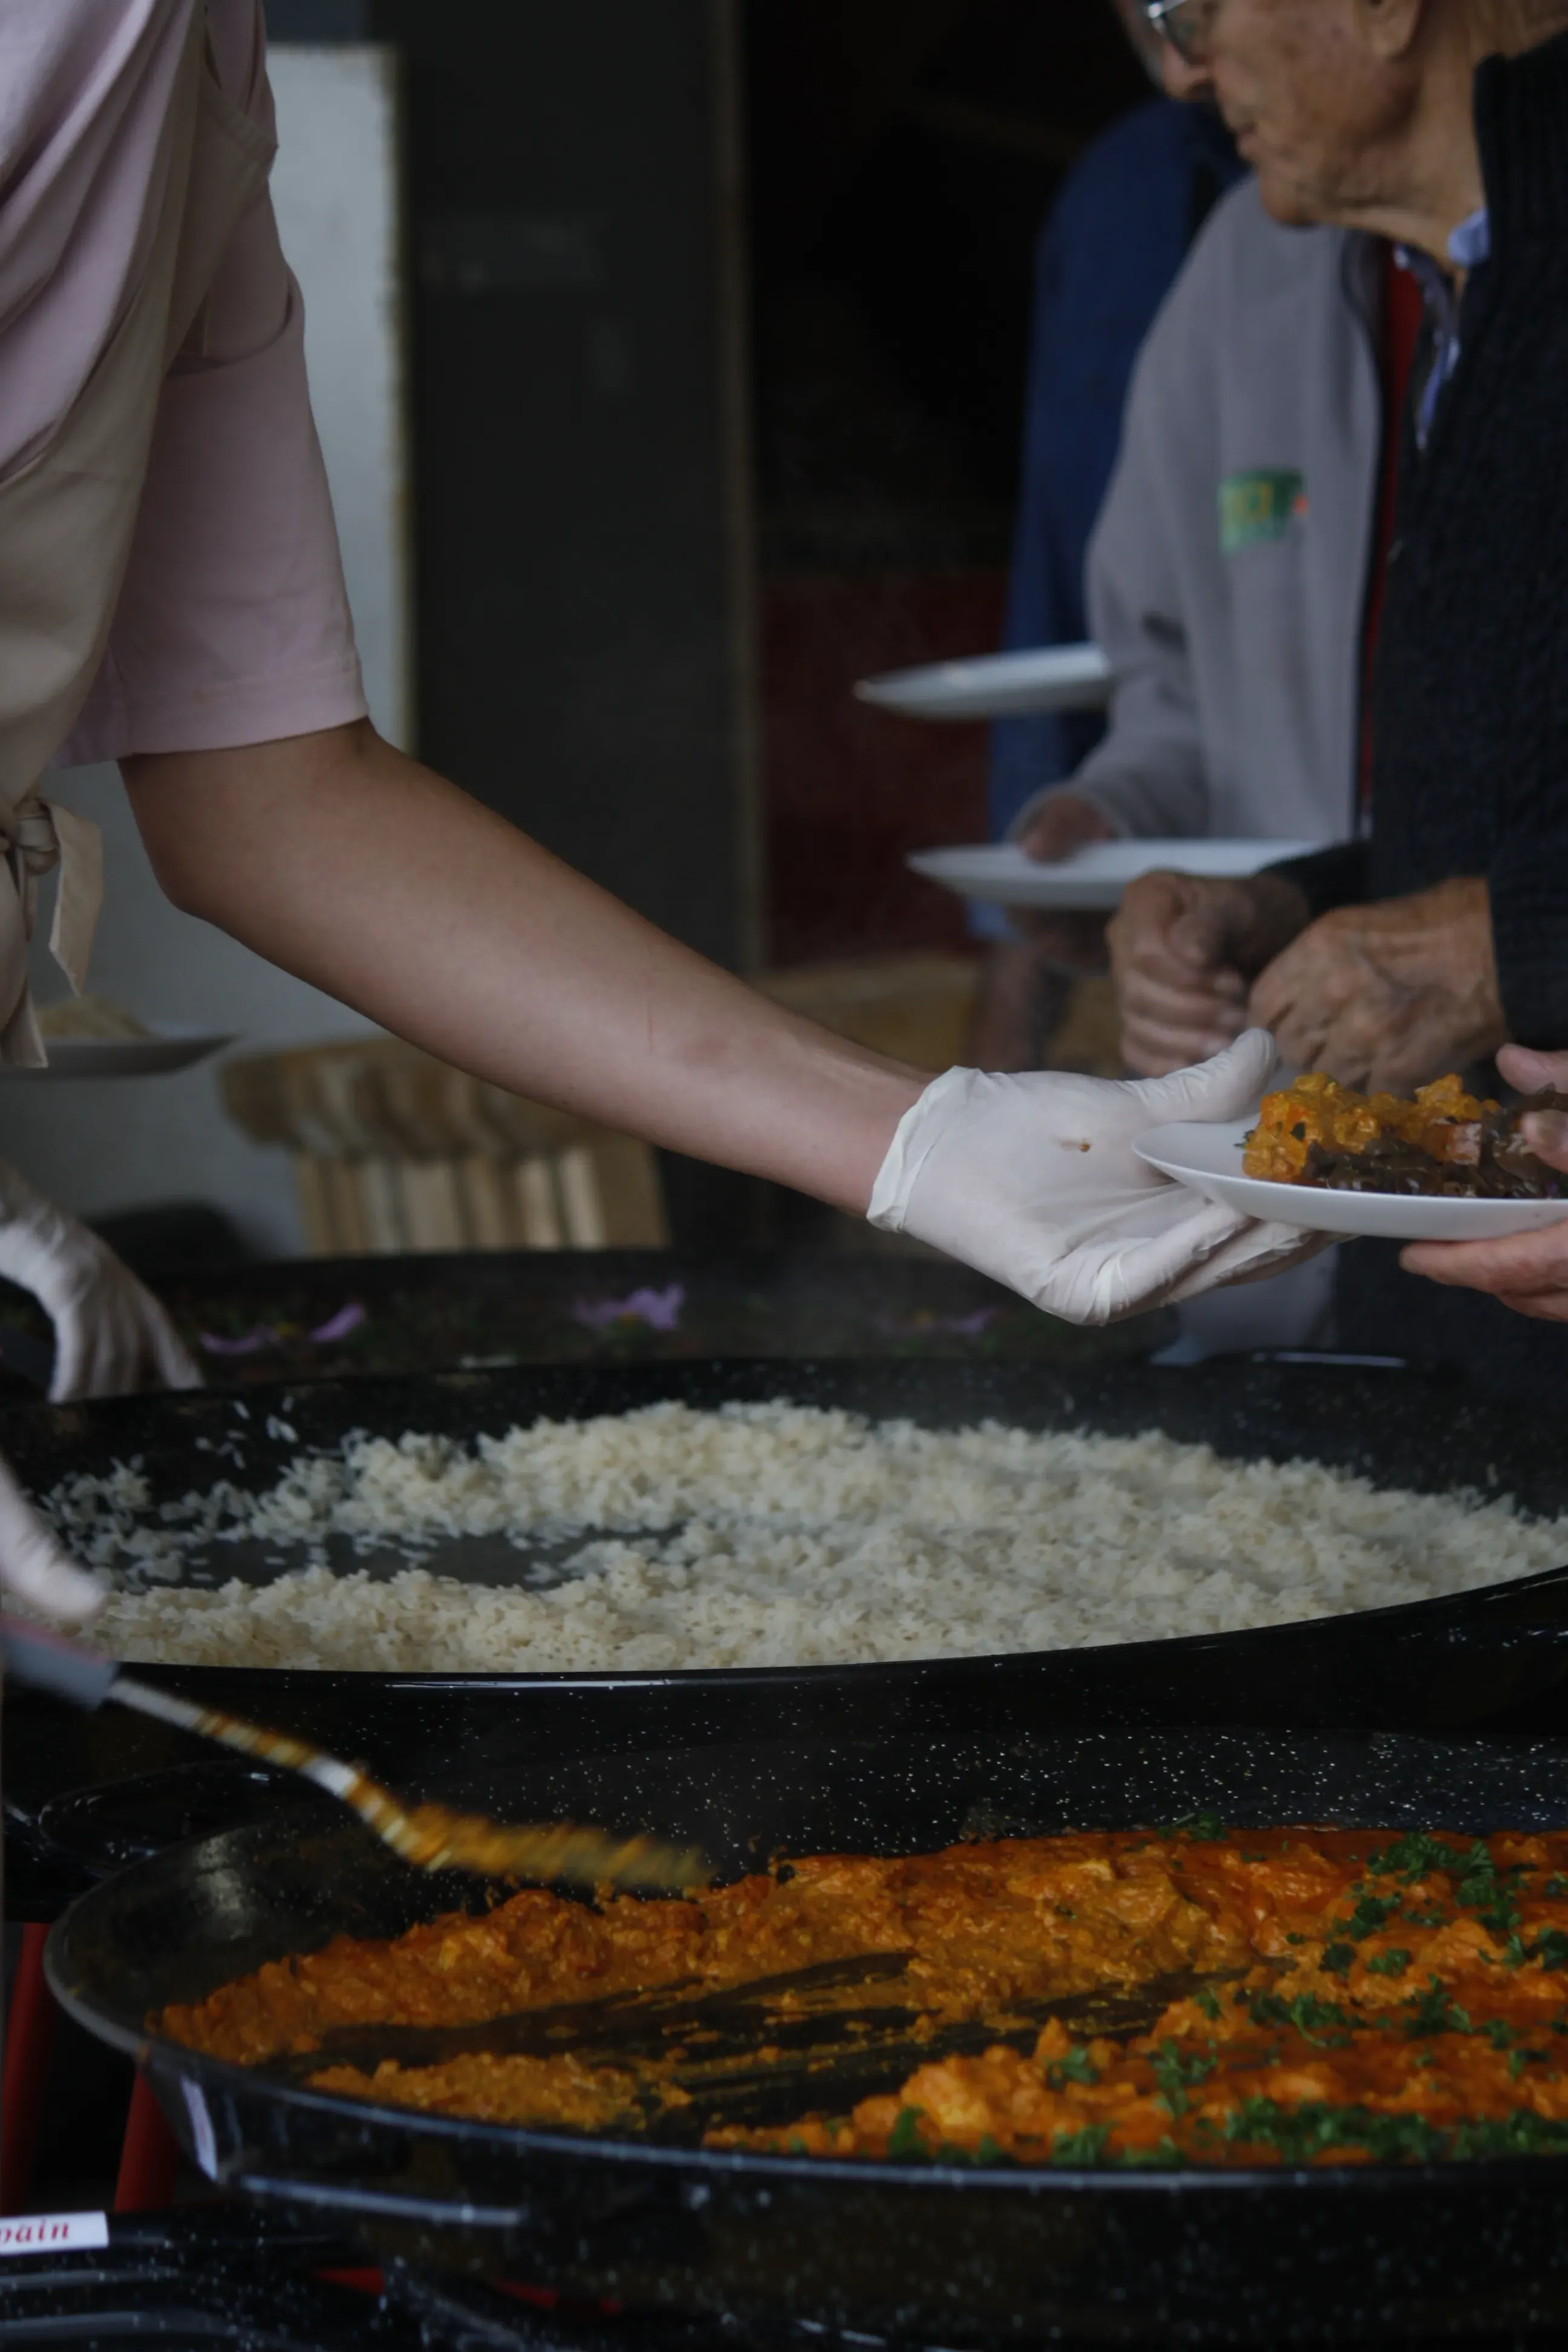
{"x":335,"y":186}
{"x":101,"y":1145}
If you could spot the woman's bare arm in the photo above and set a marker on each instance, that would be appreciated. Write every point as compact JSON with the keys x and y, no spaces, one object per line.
{"x":364,"y":873}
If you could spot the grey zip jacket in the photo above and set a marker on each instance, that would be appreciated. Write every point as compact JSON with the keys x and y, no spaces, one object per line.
{"x":1228,"y":572}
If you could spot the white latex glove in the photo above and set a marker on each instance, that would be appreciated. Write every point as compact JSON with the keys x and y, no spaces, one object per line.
{"x":110,"y":1334}
{"x":1032,"y":1178}
{"x":34,"y":1568}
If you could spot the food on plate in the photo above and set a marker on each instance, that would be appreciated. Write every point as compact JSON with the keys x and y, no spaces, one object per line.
{"x":1441,"y":1141}
{"x":97,"y":1018}
{"x":1184,"y":1996}
{"x":760,"y":1535}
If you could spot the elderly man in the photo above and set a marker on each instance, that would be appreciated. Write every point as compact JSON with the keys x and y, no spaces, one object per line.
{"x":1446,"y":933}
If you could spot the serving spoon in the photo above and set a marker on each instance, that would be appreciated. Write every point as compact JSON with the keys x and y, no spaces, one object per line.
{"x":430,"y":1837}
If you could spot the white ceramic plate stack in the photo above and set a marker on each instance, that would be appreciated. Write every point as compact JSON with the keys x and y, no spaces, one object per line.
{"x":1208,"y":1160}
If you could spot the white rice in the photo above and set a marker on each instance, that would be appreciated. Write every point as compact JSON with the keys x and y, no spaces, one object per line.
{"x":782,"y":1536}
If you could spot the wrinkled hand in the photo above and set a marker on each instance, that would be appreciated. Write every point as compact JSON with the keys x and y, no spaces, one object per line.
{"x":1033,"y":1180}
{"x":1388,"y":995}
{"x":34,"y":1568}
{"x":1528,"y":1272}
{"x":1062,"y":823}
{"x":110,"y":1334}
{"x":1183,"y":951}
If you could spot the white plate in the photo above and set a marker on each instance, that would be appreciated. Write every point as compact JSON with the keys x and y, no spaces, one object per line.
{"x":1094,"y":878}
{"x":996,"y":685}
{"x":155,"y":1057}
{"x":1209,"y":1159}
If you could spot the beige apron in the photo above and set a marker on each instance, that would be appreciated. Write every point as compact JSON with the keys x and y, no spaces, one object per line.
{"x":67,"y":521}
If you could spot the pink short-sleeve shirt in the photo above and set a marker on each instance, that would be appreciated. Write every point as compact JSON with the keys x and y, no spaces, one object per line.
{"x":233,"y":623}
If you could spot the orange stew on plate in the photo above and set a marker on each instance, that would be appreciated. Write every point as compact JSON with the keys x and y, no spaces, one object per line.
{"x":1442,"y":1140}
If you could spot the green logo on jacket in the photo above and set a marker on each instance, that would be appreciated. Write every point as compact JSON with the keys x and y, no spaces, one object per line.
{"x":1257,"y":508}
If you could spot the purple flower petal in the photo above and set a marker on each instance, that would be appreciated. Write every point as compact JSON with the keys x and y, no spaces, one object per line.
{"x":923,"y":1326}
{"x":339,"y":1326}
{"x":659,"y":1309}
{"x":251,"y":1345}
{"x":970,"y":1327}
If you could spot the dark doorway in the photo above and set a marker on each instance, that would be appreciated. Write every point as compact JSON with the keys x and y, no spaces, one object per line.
{"x":719,"y":319}
{"x":903,"y":156}
{"x":581,"y":575}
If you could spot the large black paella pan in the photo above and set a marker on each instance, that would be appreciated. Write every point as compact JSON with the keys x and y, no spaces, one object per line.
{"x":920,"y":2252}
{"x":1446,"y":1714}
{"x":1494,"y":1660}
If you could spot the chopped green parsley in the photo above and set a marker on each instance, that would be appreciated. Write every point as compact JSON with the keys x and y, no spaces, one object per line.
{"x":1073,"y":2068}
{"x":1392,"y":1963}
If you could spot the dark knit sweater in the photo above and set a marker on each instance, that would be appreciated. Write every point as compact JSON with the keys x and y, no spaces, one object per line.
{"x":1471,"y":695}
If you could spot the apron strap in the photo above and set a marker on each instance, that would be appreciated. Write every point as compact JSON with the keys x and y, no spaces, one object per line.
{"x":35,"y":836}
{"x":80,"y":893}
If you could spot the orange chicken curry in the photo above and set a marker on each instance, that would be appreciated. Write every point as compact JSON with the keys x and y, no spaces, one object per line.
{"x":1190,"y":1996}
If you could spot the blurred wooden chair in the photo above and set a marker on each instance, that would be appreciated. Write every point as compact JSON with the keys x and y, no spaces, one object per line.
{"x":919,"y":1008}
{"x":1088,"y":1035}
{"x":916,"y":1008}
{"x":395,"y":1151}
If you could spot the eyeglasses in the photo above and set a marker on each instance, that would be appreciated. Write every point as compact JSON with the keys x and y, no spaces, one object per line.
{"x":1184,"y":22}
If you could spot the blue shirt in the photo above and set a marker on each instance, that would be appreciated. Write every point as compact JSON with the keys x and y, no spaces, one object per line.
{"x":1109,"y":253}
{"x":1469,"y":245}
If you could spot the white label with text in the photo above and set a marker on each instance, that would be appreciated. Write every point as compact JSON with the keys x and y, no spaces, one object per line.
{"x":52,"y":2233}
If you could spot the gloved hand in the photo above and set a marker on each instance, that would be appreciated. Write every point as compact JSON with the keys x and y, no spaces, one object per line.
{"x":110,"y":1334}
{"x":34,"y":1567}
{"x":1032,"y":1178}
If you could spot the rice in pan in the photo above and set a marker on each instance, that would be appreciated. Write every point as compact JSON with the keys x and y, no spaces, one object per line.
{"x":771,"y":1535}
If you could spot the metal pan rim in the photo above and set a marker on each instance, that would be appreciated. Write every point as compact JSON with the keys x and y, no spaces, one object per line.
{"x":868,"y":1670}
{"x":174,"y":2061}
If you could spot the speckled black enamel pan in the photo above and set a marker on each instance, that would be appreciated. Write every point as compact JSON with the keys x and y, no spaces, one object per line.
{"x":950,"y":2256}
{"x":86,"y":1793}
